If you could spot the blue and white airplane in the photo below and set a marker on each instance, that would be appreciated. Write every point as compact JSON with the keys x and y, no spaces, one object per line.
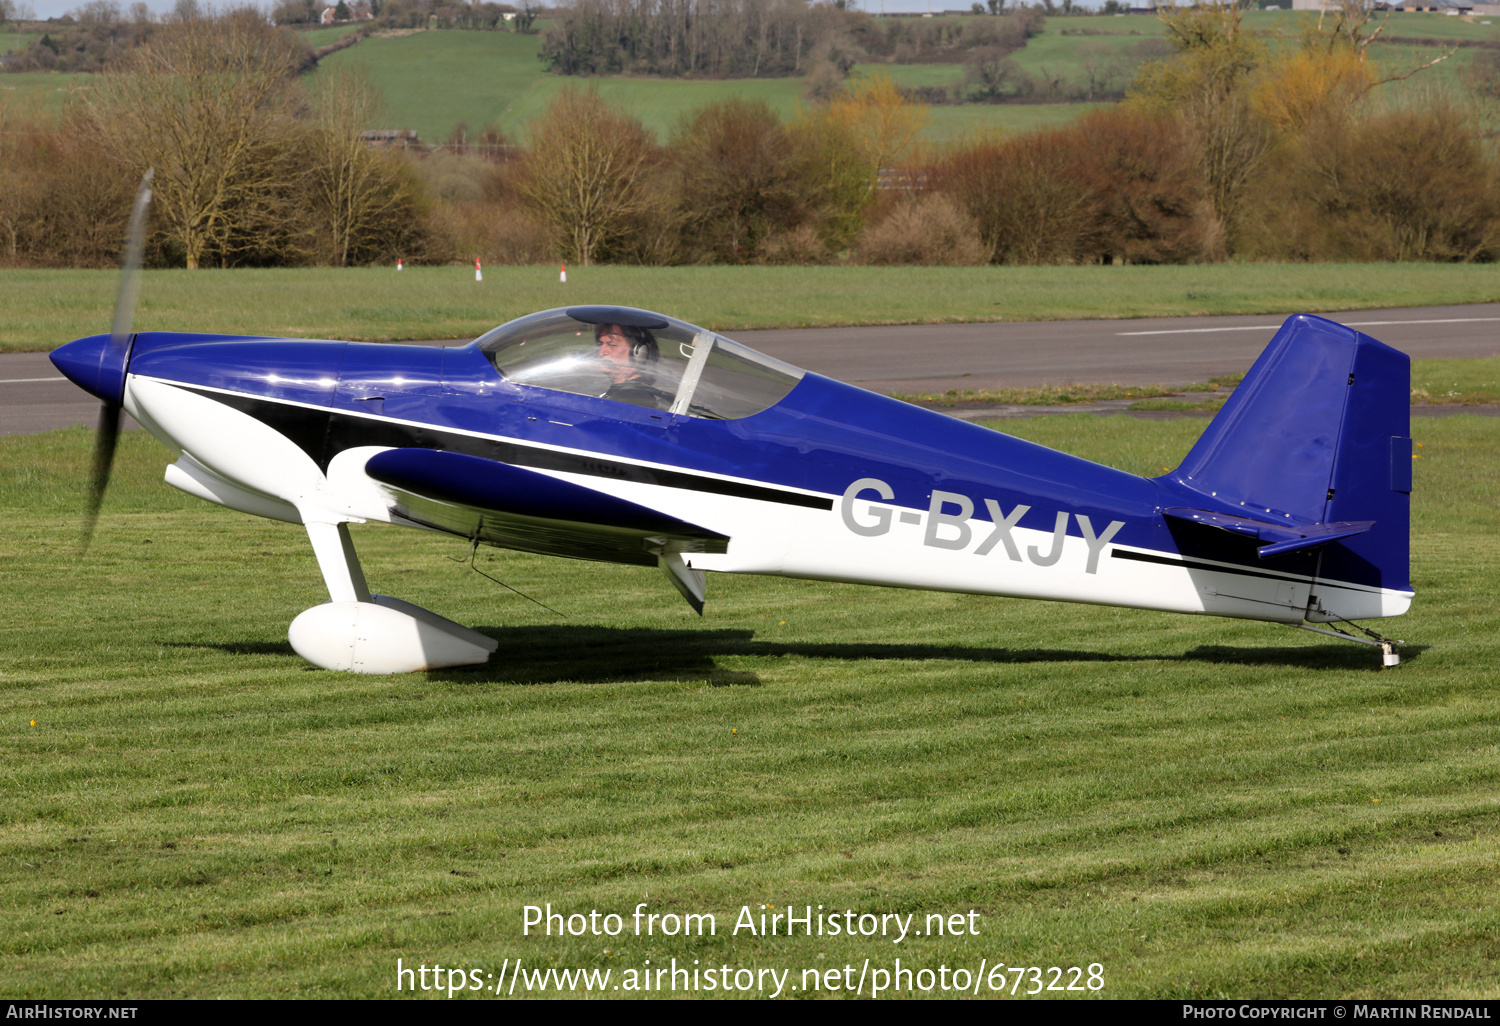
{"x":615,"y":434}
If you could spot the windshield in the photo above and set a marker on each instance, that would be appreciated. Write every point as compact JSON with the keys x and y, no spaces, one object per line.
{"x":638,"y":357}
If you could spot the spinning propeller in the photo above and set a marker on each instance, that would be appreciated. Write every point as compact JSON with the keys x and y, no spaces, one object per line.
{"x":118,"y":353}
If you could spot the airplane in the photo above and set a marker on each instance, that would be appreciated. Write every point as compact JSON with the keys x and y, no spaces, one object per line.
{"x":621,"y":435}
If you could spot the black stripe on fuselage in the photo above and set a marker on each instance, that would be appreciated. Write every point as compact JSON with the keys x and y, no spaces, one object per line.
{"x":1193,"y":564}
{"x":323,"y":434}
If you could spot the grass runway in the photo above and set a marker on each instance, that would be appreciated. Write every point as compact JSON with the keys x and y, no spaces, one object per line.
{"x":1205,"y":807}
{"x":41,"y":309}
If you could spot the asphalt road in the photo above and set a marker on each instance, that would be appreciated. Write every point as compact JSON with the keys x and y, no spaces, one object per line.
{"x":935,"y":358}
{"x":1156,"y":351}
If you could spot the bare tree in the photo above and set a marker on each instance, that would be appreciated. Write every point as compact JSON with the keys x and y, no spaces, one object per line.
{"x":360,"y":195}
{"x":586,"y":174}
{"x":734,"y":172}
{"x":18,"y":187}
{"x":211,"y":105}
{"x":62,"y":204}
{"x":1205,"y":85}
{"x":98,"y":12}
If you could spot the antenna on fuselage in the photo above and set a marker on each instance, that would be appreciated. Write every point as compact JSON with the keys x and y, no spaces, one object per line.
{"x":472,"y":560}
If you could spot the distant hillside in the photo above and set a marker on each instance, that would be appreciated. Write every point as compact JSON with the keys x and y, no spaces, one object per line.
{"x":432,"y":81}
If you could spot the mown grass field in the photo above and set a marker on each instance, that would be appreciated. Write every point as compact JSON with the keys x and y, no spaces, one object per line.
{"x":40,"y":309}
{"x":1464,"y":382}
{"x":1473,"y":381}
{"x":1203,"y":807}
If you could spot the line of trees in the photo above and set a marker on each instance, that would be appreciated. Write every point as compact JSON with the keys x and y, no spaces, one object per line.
{"x":707,"y":38}
{"x":735,"y":184}
{"x":760,"y":38}
{"x":98,"y":35}
{"x":247,"y":170}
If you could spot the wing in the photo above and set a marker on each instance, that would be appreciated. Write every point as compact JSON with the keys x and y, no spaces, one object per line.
{"x":522,"y":509}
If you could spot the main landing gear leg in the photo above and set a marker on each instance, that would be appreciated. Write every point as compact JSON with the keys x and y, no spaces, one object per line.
{"x":366,"y":633}
{"x":339,"y":562}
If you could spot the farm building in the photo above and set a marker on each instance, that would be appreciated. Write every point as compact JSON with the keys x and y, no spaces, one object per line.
{"x":359,"y":10}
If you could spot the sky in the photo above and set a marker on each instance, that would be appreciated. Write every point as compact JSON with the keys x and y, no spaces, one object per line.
{"x":57,"y":8}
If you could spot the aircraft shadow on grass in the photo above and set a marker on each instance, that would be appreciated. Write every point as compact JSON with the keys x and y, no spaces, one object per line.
{"x":552,"y":653}
{"x":546,"y":654}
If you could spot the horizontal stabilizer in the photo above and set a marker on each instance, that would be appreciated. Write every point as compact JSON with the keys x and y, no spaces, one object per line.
{"x":1281,"y":538}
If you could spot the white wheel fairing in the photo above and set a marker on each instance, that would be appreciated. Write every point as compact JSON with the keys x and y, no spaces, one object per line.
{"x":377,"y":637}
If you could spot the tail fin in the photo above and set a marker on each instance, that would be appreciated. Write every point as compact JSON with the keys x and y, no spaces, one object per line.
{"x":1319,"y":431}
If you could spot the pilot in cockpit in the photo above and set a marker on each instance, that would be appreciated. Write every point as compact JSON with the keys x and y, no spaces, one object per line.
{"x":628,"y":356}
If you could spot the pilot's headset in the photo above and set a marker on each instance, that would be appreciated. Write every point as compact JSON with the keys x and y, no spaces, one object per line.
{"x":643,"y":347}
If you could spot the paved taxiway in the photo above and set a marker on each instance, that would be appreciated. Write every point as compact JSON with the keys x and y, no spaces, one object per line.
{"x":937,"y":357}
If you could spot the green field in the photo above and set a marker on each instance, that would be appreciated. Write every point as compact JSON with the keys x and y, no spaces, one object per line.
{"x":1055,"y":55}
{"x":1202,"y":807}
{"x":659,"y":103}
{"x":316,"y":37}
{"x":947,"y":123}
{"x":1401,"y":54}
{"x":40,"y":92}
{"x":15,"y":42}
{"x":432,"y":81}
{"x":39,"y":309}
{"x":911,"y":76}
{"x":1437,"y":26}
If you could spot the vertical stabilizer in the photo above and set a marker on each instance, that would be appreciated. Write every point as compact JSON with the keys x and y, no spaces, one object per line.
{"x":1318,"y":432}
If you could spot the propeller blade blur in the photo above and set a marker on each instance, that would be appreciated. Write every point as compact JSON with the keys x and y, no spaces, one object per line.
{"x":130,"y":263}
{"x":108,"y":434}
{"x":105,"y":438}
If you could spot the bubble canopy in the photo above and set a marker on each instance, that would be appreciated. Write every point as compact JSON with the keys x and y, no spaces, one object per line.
{"x":638,"y":357}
